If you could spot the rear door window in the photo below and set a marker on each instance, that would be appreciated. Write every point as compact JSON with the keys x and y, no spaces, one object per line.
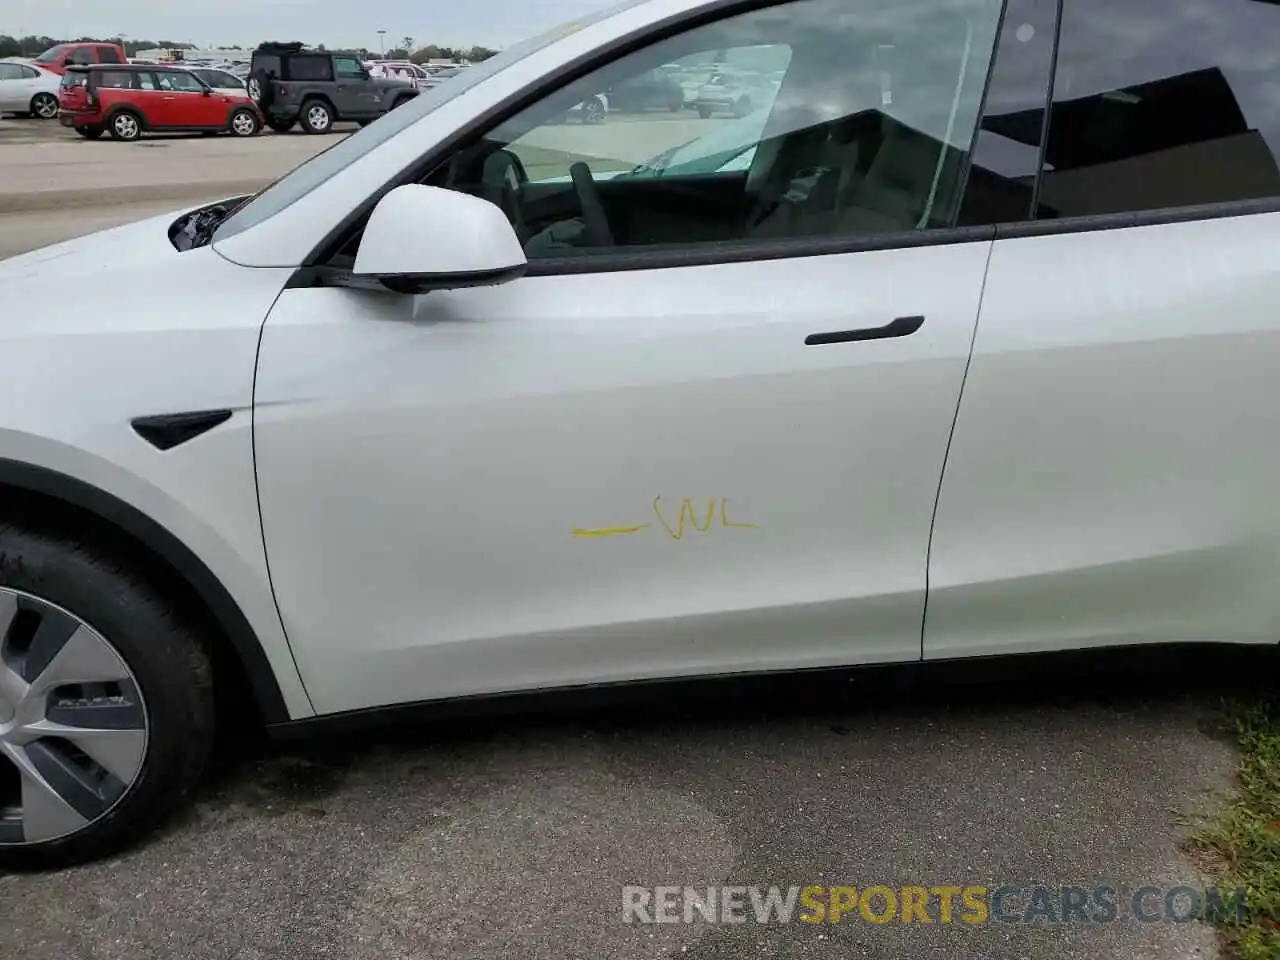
{"x":1162,"y":103}
{"x":309,"y":68}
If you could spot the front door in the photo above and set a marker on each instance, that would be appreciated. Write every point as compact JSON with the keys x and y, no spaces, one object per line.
{"x":354,"y":94}
{"x":686,"y":458}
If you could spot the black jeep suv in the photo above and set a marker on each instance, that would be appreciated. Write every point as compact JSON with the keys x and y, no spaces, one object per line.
{"x":295,"y":85}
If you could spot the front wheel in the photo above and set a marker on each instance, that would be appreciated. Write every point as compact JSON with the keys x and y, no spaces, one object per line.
{"x":44,"y":106}
{"x":90,"y":133}
{"x":244,"y":123}
{"x":106,"y":701}
{"x":317,"y":117}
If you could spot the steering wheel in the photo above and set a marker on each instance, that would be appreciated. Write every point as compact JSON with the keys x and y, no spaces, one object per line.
{"x":598,"y":233}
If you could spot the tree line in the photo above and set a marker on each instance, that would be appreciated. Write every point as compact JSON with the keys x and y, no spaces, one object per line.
{"x":32,"y":46}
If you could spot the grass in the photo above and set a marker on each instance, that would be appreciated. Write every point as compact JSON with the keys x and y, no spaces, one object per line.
{"x":1240,"y":845}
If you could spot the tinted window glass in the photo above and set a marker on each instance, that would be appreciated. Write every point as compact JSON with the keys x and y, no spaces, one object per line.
{"x":75,"y":78}
{"x":53,"y":54}
{"x":1006,"y":155}
{"x":116,"y":79}
{"x":82,"y":55}
{"x":268,"y":64}
{"x":309,"y":68}
{"x":814,"y":118}
{"x":10,"y":71}
{"x":146,"y":81}
{"x":1163,"y":103}
{"x":108,"y":55}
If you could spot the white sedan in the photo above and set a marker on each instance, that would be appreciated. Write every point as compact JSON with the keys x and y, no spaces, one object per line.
{"x":477,"y":402}
{"x":28,"y":89}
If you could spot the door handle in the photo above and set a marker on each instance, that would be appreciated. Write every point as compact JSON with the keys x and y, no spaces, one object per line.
{"x":901,"y":327}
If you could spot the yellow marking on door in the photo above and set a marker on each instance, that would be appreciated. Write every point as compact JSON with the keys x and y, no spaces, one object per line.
{"x":726,"y":522}
{"x":687,"y":519}
{"x":581,"y":532}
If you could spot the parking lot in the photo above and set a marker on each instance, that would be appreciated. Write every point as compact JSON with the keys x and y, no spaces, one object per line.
{"x":514,"y":836}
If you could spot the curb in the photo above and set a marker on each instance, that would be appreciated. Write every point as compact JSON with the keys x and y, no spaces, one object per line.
{"x":42,"y":200}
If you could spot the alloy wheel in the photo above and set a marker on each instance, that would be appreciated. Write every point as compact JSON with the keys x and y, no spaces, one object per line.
{"x":73,"y":724}
{"x":318,"y":117}
{"x":45,"y":106}
{"x":126,"y":127}
{"x":243,"y":124}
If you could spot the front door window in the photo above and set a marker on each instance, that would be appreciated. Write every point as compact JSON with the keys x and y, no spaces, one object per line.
{"x":810,"y":119}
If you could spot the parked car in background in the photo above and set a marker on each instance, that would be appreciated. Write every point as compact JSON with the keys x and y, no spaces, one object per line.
{"x":59,"y":58}
{"x":734,"y":91}
{"x":28,"y":90}
{"x":220,"y":79}
{"x":653,"y":90}
{"x":127,"y":101}
{"x":294,"y":85}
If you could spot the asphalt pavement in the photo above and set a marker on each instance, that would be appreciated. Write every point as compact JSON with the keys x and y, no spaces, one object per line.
{"x":514,"y":836}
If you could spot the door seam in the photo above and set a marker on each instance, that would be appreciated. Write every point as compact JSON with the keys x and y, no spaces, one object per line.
{"x":946,"y":455}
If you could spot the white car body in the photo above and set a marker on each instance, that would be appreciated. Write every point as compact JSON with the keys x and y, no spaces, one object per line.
{"x":416,"y":497}
{"x":29,"y":80}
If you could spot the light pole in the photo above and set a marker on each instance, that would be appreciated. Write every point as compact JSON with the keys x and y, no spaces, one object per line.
{"x":382,"y":43}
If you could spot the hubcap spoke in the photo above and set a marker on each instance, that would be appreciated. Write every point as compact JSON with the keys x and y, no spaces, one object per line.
{"x":81,"y":658}
{"x":120,"y":751}
{"x":46,"y":815}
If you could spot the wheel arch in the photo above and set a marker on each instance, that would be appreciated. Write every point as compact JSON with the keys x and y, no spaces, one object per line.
{"x":30,"y":486}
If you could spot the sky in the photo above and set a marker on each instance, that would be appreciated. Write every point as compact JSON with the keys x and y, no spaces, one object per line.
{"x":493,"y":23}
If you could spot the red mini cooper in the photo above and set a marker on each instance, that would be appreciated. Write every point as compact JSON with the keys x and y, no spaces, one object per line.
{"x":128,"y":100}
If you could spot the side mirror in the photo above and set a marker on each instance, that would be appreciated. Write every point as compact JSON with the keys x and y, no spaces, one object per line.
{"x":207,"y":92}
{"x":426,"y":238}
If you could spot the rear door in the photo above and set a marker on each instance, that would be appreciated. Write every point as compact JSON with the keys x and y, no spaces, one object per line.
{"x":16,"y":87}
{"x":1113,"y":474}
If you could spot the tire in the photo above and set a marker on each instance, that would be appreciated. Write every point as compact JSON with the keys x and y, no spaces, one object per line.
{"x":243,"y":123}
{"x":281,"y":126}
{"x":742,"y":107}
{"x":156,"y":692}
{"x":704,"y":112}
{"x":675,"y":106}
{"x":317,"y":117}
{"x":125,"y":126}
{"x":44,"y":106}
{"x":90,"y":133}
{"x":593,"y":111}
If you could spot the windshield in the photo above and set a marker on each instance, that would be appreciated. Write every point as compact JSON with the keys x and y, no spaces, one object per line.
{"x":52,"y":54}
{"x":295,"y":185}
